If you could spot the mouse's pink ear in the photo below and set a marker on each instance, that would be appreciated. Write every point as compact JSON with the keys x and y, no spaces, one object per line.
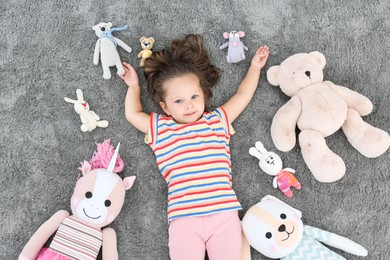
{"x":128,"y":181}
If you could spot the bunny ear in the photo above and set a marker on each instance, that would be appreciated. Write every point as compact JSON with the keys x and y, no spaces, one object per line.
{"x":79,"y":94}
{"x":260,"y":147}
{"x":254,"y":152}
{"x":70,"y":100}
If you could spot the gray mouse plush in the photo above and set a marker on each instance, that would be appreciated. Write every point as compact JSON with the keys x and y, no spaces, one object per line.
{"x":236,"y":49}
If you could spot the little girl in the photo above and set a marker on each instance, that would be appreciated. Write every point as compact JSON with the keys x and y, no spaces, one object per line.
{"x":192,"y":145}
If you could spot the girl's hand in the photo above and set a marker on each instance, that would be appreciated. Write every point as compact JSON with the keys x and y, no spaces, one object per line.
{"x":260,"y":57}
{"x":130,"y":77}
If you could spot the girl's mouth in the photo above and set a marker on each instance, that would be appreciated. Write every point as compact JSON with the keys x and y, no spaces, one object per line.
{"x":190,"y":114}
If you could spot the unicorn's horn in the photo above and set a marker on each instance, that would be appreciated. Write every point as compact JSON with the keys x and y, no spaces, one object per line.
{"x":111,"y":166}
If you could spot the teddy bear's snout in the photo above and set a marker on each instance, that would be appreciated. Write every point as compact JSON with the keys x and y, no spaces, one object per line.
{"x":307,"y":73}
{"x":103,"y":29}
{"x":146,"y":44}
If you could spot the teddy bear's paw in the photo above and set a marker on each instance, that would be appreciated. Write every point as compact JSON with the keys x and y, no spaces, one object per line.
{"x":325,"y":165}
{"x":120,"y":69}
{"x":106,"y":75}
{"x":370,"y":141}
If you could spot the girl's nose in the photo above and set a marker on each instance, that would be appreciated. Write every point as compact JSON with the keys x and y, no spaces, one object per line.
{"x":189,"y":105}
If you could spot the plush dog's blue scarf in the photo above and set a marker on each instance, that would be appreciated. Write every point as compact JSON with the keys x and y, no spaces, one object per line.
{"x":108,"y":33}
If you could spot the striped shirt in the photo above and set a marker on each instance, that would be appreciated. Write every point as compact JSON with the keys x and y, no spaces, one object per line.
{"x":77,"y":240}
{"x":194,"y":160}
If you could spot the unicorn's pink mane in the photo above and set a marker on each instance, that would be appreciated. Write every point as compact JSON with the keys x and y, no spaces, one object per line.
{"x":101,"y":158}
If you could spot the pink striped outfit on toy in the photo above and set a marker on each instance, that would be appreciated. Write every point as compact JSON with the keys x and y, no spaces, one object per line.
{"x":74,"y":240}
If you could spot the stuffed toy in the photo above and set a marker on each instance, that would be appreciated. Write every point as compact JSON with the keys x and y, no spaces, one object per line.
{"x":97,"y":199}
{"x":319,"y":108}
{"x":275,"y":229}
{"x":88,"y":118}
{"x":147,"y":45}
{"x":236,"y":49}
{"x":272,"y":164}
{"x":106,"y":46}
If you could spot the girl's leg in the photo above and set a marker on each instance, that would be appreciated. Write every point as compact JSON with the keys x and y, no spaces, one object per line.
{"x":186,"y":238}
{"x":225,"y":237}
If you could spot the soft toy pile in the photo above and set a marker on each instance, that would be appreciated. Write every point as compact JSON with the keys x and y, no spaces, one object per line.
{"x":320,"y":108}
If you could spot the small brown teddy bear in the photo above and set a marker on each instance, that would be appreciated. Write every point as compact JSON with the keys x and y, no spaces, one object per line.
{"x":147,"y":45}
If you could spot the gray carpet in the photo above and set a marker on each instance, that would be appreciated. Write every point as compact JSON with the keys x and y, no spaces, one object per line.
{"x":46,"y":54}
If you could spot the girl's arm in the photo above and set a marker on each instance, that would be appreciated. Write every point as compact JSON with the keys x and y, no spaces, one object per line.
{"x":238,"y":102}
{"x":133,"y":107}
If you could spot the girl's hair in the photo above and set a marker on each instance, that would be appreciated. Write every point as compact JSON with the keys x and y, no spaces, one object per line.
{"x":183,"y":56}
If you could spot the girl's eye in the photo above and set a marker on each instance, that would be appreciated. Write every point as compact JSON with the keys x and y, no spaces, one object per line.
{"x":195,"y":96}
{"x":179,"y":101}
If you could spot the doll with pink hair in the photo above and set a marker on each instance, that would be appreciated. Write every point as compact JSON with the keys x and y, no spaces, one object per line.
{"x":97,"y":200}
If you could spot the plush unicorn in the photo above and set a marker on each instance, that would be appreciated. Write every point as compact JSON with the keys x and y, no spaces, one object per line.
{"x":97,"y":199}
{"x":276,"y":230}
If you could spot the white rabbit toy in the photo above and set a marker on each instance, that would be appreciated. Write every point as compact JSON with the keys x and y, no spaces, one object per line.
{"x":271,"y":164}
{"x":88,"y":118}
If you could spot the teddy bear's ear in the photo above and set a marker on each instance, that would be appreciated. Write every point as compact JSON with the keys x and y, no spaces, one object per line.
{"x":319,"y":57}
{"x":151,"y":39}
{"x":272,"y":75}
{"x":142,"y":38}
{"x":109,"y":24}
{"x":94,"y":27}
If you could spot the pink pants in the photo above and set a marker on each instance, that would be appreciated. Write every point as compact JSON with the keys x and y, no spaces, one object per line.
{"x":219,"y":234}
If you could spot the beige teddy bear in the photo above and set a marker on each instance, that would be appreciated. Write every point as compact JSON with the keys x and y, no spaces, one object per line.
{"x":319,"y":108}
{"x":147,"y":45}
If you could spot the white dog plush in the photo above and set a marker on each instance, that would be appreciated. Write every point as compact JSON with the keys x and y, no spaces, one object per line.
{"x":275,"y":229}
{"x":106,"y":46}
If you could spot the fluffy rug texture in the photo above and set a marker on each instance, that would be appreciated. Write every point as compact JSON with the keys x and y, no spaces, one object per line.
{"x":46,"y":54}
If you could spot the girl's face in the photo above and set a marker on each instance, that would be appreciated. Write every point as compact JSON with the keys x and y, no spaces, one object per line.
{"x":184,"y":99}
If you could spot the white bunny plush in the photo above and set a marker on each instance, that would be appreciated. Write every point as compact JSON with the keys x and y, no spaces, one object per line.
{"x":272,"y":164}
{"x":88,"y":118}
{"x":106,"y":46}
